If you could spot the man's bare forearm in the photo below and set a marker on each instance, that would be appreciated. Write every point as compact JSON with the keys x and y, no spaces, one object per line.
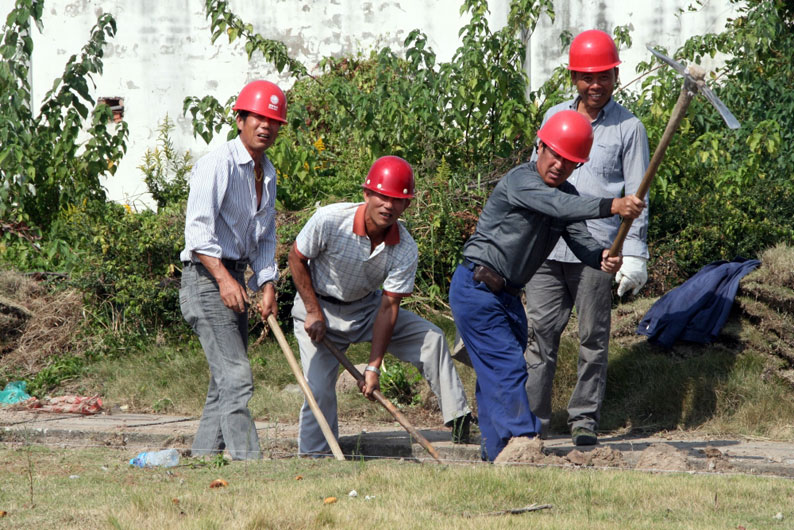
{"x":383,"y":327}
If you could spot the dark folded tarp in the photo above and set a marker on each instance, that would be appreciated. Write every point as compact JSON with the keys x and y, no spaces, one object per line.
{"x":697,"y":309}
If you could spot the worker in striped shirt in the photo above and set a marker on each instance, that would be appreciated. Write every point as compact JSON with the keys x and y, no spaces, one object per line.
{"x":230,"y":224}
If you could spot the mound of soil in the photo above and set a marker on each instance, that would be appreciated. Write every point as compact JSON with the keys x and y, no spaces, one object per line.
{"x":525,"y":450}
{"x":662,"y":457}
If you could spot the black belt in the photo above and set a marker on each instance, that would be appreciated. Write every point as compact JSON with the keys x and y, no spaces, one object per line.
{"x":495,"y":282}
{"x":230,"y":264}
{"x":336,"y":301}
{"x":237,"y":265}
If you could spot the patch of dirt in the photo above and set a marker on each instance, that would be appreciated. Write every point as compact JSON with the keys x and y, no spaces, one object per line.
{"x":522,"y":449}
{"x":532,"y":451}
{"x":662,"y":457}
{"x":717,"y":461}
{"x":604,"y":457}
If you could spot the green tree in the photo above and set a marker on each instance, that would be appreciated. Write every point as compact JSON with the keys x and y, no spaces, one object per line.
{"x":44,"y":163}
{"x":721,"y":193}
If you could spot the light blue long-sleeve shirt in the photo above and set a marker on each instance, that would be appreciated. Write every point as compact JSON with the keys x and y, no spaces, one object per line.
{"x":222,"y":219}
{"x":618,"y":160}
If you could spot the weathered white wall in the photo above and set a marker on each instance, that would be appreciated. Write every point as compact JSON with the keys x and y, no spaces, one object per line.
{"x":162,"y":51}
{"x":654,"y":22}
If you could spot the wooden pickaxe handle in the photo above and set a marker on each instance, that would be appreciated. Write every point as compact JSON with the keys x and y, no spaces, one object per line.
{"x":380,"y":398}
{"x":296,"y":370}
{"x":679,"y":111}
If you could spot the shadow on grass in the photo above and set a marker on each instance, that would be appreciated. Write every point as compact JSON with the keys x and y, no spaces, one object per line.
{"x":650,"y":388}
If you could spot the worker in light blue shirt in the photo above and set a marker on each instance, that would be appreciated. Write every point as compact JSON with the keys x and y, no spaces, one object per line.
{"x":618,"y":160}
{"x":230,"y":224}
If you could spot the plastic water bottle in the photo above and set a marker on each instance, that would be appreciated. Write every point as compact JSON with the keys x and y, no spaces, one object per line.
{"x":164,"y":458}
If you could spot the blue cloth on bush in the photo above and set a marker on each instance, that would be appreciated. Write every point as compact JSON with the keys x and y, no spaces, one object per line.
{"x":697,"y":309}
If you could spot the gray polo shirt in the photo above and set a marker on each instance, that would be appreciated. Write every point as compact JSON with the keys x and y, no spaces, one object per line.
{"x":618,"y":160}
{"x":524,"y":218}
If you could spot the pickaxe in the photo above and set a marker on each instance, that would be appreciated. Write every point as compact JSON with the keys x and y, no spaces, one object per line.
{"x":693,"y":83}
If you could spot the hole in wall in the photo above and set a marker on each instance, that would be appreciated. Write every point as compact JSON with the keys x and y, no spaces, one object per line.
{"x":116,"y":104}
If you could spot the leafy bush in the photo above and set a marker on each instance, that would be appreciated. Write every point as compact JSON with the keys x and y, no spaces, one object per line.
{"x":398,"y":380}
{"x":127,"y":262}
{"x":165,"y":171}
{"x":721,"y":193}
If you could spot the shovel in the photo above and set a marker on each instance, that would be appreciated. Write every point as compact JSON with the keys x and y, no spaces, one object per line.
{"x":380,"y":398}
{"x":296,"y":370}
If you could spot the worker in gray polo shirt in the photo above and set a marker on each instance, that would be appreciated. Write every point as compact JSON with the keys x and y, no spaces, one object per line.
{"x":617,"y":164}
{"x":352,"y":264}
{"x":230,"y":224}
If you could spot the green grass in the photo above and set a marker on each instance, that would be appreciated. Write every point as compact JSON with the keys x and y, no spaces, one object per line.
{"x":724,"y":388}
{"x":173,"y":379}
{"x":95,"y":488}
{"x":719,"y":390}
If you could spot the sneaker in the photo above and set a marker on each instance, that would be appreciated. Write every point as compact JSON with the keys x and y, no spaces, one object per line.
{"x":583,"y":436}
{"x":460,"y":429}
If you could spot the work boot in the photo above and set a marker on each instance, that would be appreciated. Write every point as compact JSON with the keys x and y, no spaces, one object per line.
{"x":460,"y":429}
{"x":583,"y":436}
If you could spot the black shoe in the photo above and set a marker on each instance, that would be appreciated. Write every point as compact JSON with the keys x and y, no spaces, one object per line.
{"x":460,"y":429}
{"x":583,"y":436}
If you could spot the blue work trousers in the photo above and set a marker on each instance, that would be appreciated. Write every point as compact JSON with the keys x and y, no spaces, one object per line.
{"x":493,"y":327}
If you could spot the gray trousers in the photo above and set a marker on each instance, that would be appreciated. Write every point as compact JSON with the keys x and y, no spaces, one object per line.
{"x":226,"y":421}
{"x":551,"y":294}
{"x":414,"y":340}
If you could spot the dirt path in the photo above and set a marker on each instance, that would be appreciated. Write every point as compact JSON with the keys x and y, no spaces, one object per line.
{"x":671,"y":452}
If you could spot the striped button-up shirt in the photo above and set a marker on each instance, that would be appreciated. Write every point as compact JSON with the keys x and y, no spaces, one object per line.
{"x":618,"y":160}
{"x":341,"y":260}
{"x":222,"y":218}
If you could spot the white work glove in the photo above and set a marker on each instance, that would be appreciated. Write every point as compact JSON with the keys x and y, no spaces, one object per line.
{"x":632,"y":275}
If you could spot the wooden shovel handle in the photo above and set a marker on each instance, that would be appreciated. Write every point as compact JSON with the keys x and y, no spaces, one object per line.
{"x":380,"y":398}
{"x":679,"y":111}
{"x":298,"y":373}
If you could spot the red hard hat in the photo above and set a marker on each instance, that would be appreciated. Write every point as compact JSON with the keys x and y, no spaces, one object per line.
{"x":391,"y":176}
{"x":263,"y":98}
{"x":593,"y":51}
{"x":569,"y":134}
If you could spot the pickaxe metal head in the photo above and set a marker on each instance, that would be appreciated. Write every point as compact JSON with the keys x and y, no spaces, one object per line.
{"x":694,"y":80}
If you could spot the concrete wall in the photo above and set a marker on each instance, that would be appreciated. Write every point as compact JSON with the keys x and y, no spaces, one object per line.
{"x":162,"y":51}
{"x":654,"y":22}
